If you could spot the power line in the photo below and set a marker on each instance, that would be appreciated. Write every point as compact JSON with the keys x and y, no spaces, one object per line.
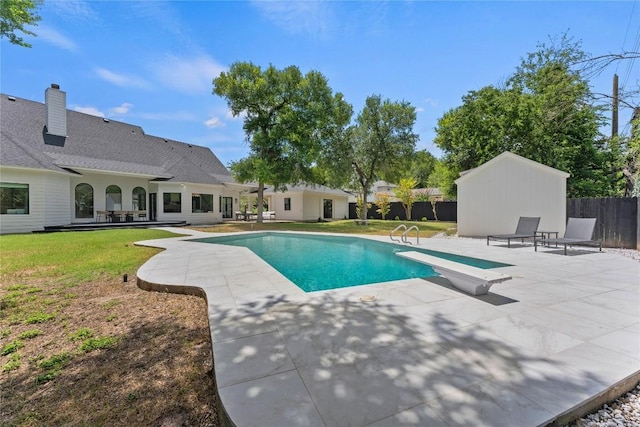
{"x":626,"y":33}
{"x":631,"y":62}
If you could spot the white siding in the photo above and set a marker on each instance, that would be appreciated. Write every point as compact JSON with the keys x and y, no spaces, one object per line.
{"x":56,"y":200}
{"x":312,"y":207}
{"x":494,"y":196}
{"x":34,"y":220}
{"x":297,"y":206}
{"x":340,"y":207}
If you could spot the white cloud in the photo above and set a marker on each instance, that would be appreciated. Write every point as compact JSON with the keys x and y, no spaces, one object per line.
{"x":120,"y":110}
{"x":298,"y":17}
{"x":54,"y":37}
{"x":431,"y":102}
{"x":230,"y":116}
{"x":121,"y":80}
{"x":214,"y":122}
{"x":419,"y":110}
{"x":73,"y":9}
{"x":88,"y":110}
{"x":188,"y":75}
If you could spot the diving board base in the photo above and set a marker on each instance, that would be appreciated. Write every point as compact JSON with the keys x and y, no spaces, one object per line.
{"x":472,"y":280}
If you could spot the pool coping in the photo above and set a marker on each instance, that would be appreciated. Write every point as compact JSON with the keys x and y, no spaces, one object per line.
{"x":251,"y":289}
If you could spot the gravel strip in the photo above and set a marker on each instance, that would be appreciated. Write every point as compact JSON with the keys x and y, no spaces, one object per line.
{"x":624,"y":412}
{"x":630,"y":253}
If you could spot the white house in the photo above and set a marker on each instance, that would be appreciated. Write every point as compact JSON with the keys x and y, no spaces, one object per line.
{"x":60,"y":167}
{"x":308,"y":203}
{"x":493,"y":196}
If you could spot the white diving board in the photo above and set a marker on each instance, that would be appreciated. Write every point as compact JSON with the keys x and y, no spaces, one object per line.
{"x":473,"y":280}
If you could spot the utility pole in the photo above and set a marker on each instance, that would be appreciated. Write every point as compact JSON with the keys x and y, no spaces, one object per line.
{"x":614,"y":109}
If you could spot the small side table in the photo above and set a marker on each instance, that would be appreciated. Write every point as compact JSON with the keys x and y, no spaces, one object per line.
{"x":547,"y":235}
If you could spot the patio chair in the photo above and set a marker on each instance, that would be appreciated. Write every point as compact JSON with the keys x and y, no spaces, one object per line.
{"x":102,"y":216}
{"x":579,"y":232}
{"x":527,"y":228}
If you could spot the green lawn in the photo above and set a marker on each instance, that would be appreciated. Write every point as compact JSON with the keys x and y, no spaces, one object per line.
{"x":374,"y":227}
{"x":75,"y":256}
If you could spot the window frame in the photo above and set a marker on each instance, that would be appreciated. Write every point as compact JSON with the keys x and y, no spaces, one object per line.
{"x":197,"y":205}
{"x":167,"y":201}
{"x":85,"y":212}
{"x":139,"y":197}
{"x":13,"y":189}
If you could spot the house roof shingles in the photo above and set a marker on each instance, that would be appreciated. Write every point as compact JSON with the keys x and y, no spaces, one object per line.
{"x":94,"y":143}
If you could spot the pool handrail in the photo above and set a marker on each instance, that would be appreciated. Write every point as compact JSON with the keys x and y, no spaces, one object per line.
{"x":396,"y":229}
{"x":404,"y":235}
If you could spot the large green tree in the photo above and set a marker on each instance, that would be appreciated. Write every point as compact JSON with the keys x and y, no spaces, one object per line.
{"x":422,"y":166}
{"x":15,"y":15}
{"x":288,"y":119}
{"x":379,"y":145}
{"x":543,"y":112}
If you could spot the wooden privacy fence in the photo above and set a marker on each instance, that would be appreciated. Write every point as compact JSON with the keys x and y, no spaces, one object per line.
{"x":617,"y":219}
{"x":617,"y":222}
{"x":447,"y":211}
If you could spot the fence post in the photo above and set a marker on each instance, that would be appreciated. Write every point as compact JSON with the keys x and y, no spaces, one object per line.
{"x":638,"y":224}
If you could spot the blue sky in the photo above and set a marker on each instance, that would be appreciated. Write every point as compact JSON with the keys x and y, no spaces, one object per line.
{"x":151,"y":63}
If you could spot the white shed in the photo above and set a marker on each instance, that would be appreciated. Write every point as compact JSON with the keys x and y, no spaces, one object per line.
{"x":493,"y":196}
{"x":308,"y":203}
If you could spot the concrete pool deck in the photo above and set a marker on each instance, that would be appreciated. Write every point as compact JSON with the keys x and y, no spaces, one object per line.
{"x":563,"y":330}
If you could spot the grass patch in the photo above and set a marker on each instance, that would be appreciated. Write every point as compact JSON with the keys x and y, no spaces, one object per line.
{"x":12,"y":347}
{"x":55,"y":362}
{"x":347,"y":226}
{"x":40,"y":317}
{"x":31,"y":333}
{"x":98,"y":343}
{"x":110,"y":304}
{"x":13,"y":363}
{"x":74,"y":256}
{"x":81,"y":334}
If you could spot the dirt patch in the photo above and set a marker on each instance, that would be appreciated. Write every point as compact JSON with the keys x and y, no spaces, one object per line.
{"x":112,"y":354}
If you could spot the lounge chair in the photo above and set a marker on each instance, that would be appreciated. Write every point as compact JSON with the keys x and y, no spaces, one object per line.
{"x":527,"y":228}
{"x":579,"y":232}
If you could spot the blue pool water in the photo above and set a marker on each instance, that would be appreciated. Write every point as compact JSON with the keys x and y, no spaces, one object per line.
{"x":319,"y":262}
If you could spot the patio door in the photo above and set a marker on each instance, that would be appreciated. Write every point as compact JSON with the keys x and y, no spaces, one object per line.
{"x":226,"y":207}
{"x":327,"y":205}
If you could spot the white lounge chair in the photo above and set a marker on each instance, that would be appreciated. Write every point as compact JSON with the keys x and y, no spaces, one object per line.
{"x":579,"y":232}
{"x":526,"y":229}
{"x":473,"y":280}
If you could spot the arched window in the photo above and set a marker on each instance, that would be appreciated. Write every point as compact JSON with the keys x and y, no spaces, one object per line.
{"x":114,"y":198}
{"x":139,"y":199}
{"x":84,"y":201}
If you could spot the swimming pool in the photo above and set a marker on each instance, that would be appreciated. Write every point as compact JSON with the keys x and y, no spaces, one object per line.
{"x":321,"y":262}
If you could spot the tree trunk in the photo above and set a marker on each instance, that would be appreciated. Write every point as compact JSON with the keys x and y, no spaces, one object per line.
{"x":363,"y":211}
{"x":260,"y":200}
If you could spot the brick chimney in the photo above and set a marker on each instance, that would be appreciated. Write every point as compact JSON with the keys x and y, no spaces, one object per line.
{"x":56,"y":110}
